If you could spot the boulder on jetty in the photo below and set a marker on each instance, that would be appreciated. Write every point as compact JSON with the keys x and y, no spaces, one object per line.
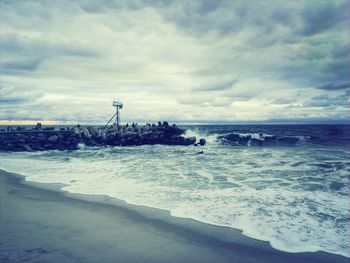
{"x":49,"y":138}
{"x":202,"y":141}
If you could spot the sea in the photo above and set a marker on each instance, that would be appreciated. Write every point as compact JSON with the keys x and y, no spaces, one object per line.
{"x":286,"y":184}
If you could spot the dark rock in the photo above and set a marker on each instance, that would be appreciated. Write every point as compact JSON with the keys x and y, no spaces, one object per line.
{"x":37,"y":147}
{"x":52,"y":138}
{"x":69,"y":138}
{"x":41,"y":137}
{"x":179,"y":140}
{"x":28,"y":148}
{"x":87,"y":133}
{"x":49,"y":146}
{"x":21,"y":137}
{"x":190,"y":140}
{"x":202,"y":142}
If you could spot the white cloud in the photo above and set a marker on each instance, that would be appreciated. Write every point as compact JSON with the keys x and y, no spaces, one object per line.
{"x":181,"y":61}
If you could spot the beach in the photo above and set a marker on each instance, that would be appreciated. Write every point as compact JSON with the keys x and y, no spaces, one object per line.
{"x":45,"y":225}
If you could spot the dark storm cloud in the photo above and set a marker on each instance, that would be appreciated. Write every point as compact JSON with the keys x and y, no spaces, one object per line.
{"x":342,"y":51}
{"x":271,"y":24}
{"x":20,"y":65}
{"x":335,"y":86}
{"x":328,"y":100}
{"x":320,"y":15}
{"x":319,"y":62}
{"x":225,"y":17}
{"x":221,"y":86}
{"x":337,"y":70}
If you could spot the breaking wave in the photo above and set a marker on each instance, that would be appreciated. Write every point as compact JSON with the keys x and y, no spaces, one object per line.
{"x":261,"y":139}
{"x":273,"y":136}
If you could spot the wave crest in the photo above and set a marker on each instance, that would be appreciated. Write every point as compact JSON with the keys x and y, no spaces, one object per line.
{"x":261,"y":139}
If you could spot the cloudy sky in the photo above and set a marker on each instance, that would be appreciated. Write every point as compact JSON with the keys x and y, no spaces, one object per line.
{"x":184,"y":61}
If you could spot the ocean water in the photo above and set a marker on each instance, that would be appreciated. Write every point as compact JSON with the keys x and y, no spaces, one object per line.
{"x":288,"y":185}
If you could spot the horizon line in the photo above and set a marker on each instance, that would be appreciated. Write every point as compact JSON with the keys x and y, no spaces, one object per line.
{"x":182,"y":122}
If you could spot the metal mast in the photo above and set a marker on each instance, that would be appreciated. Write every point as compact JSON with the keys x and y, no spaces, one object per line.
{"x":118,"y":105}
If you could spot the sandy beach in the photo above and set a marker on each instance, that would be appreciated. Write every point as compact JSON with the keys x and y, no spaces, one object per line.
{"x":43,"y":225}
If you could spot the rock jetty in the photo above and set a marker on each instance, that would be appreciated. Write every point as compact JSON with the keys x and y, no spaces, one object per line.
{"x":41,"y":138}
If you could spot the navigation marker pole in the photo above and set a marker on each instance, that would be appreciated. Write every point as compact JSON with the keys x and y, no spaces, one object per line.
{"x":118,"y":105}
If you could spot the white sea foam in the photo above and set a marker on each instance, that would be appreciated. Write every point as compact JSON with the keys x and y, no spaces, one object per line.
{"x":81,"y":146}
{"x":279,"y":195}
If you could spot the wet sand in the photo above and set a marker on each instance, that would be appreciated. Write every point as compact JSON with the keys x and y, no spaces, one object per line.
{"x":43,"y":225}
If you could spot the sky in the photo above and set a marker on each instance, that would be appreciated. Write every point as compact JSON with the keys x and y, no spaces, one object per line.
{"x":245,"y":61}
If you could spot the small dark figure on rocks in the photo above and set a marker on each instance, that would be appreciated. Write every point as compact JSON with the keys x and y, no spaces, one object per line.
{"x":38,"y":126}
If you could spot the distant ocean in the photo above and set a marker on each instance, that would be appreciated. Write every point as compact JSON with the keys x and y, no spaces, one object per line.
{"x":286,"y":184}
